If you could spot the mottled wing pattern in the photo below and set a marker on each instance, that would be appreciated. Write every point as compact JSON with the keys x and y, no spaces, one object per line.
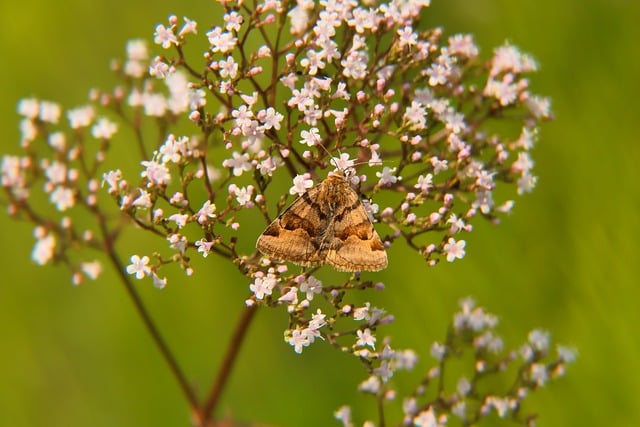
{"x":328,"y":224}
{"x":290,"y":237}
{"x":356,"y":245}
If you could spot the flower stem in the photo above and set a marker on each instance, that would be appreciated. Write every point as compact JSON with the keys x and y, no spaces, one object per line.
{"x":227,"y":363}
{"x":157,"y":338}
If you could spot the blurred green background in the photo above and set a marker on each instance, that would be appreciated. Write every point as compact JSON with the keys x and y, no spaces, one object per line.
{"x":75,"y":356}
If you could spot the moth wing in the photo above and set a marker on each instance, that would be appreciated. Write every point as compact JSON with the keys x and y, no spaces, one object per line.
{"x":290,"y":237}
{"x":356,"y":246}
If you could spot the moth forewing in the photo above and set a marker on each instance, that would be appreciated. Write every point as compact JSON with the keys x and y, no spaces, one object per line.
{"x":327,"y":224}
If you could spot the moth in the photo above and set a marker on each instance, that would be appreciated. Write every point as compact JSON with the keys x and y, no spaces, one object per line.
{"x":326,"y":225}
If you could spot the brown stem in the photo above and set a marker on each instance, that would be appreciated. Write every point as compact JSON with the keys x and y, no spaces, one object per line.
{"x":157,"y":337}
{"x":227,"y":363}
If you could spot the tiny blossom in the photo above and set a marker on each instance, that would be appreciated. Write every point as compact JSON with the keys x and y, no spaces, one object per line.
{"x":228,"y":68}
{"x":233,"y":20}
{"x":56,"y":172}
{"x":189,"y":27}
{"x":484,"y":202}
{"x":424,"y":183}
{"x":179,"y":219}
{"x":158,"y":282}
{"x":311,"y":286}
{"x":318,"y":320}
{"x":112,"y":179}
{"x":156,"y":173}
{"x":539,"y":107}
{"x":81,"y":117}
{"x":454,"y":249}
{"x":263,"y":285}
{"x":29,"y":107}
{"x":526,"y":183}
{"x":438,"y":74}
{"x":43,"y":250}
{"x":301,"y":183}
{"x":416,"y":116}
{"x":174,"y":149}
{"x":63,"y":197}
{"x":221,"y":41}
{"x":406,"y":37}
{"x":143,"y":200}
{"x":539,"y":340}
{"x":104,"y":129}
{"x":365,"y":338}
{"x":290,"y":297}
{"x":271,"y":118}
{"x":343,"y":162}
{"x":464,"y":386}
{"x":462,"y":44}
{"x":243,"y":194}
{"x":538,"y":373}
{"x":384,"y":371}
{"x":50,"y":112}
{"x":438,"y":351}
{"x":457,"y":224}
{"x":155,"y":104}
{"x":91,"y":269}
{"x":426,"y":418}
{"x":311,"y":137}
{"x":159,"y":68}
{"x":298,"y":339}
{"x":406,"y":359}
{"x":206,"y":212}
{"x":501,"y":405}
{"x":240,"y":163}
{"x":139,"y":266}
{"x":164,"y":37}
{"x":137,"y":50}
{"x":566,"y":354}
{"x":204,"y":247}
{"x":370,"y":385}
{"x":387,"y":176}
{"x":343,"y":414}
{"x":177,"y":242}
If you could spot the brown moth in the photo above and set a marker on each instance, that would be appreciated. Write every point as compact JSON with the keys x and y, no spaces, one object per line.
{"x":326,"y":225}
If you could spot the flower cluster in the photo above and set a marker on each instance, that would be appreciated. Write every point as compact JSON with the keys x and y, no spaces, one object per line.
{"x":473,"y":340}
{"x":292,"y":89}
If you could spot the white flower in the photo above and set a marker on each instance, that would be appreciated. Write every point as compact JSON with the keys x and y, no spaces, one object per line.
{"x":43,"y":250}
{"x":164,"y":36}
{"x":240,"y":163}
{"x":370,"y":385}
{"x":204,"y":247}
{"x":311,"y":286}
{"x":91,"y":269}
{"x":263,"y":285}
{"x":139,"y":266}
{"x":155,"y":172}
{"x":424,"y":183}
{"x":310,"y":137}
{"x":63,"y":198}
{"x":104,"y":129}
{"x":221,"y":41}
{"x":387,"y":176}
{"x":143,"y":200}
{"x":300,"y":184}
{"x":180,"y":219}
{"x":539,"y":374}
{"x":454,"y":249}
{"x":207,"y":211}
{"x":366,"y":338}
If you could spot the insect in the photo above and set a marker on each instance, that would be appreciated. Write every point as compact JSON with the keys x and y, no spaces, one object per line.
{"x":326,"y":225}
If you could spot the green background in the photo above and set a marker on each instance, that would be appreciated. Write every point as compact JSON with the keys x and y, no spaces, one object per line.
{"x":565,"y":261}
